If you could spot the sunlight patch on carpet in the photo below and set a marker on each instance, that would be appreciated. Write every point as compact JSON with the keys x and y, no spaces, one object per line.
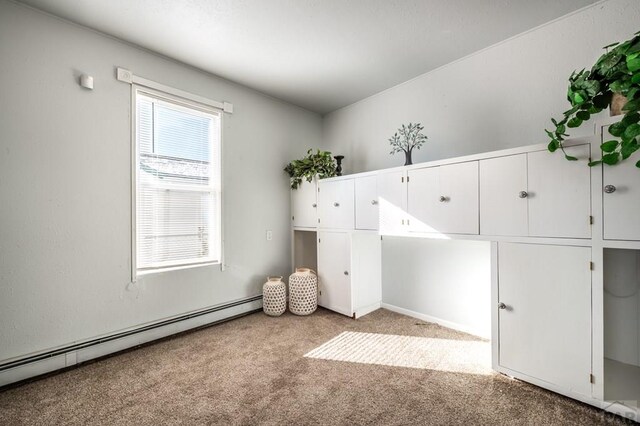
{"x":461,"y":356}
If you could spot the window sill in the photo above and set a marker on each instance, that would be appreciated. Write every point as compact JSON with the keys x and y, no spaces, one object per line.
{"x":145,"y":272}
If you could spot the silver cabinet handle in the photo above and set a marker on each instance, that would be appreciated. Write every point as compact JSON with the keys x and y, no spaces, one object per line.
{"x":374,"y":202}
{"x":346,"y":272}
{"x":502,"y":306}
{"x":443,"y":198}
{"x":314,"y":205}
{"x":523,"y":194}
{"x":610,"y":189}
{"x":336,"y":204}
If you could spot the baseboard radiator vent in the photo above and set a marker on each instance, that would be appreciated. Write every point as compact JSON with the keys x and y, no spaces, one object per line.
{"x":66,"y":356}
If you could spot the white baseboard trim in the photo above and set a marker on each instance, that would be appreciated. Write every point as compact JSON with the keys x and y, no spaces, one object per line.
{"x":73,"y":357}
{"x":439,"y":321}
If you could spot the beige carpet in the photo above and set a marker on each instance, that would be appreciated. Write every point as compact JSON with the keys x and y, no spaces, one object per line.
{"x":253,"y":371}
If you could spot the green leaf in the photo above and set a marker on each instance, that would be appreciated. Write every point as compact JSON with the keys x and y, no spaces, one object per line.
{"x":574,"y":122}
{"x":553,"y":145}
{"x":611,"y":45}
{"x":628,"y":149}
{"x":616,"y":129}
{"x":630,"y":118}
{"x":632,"y":105}
{"x":577,"y":98}
{"x":632,"y":131}
{"x":636,"y":78}
{"x":633,"y":62}
{"x":583,"y":115}
{"x":594,"y":163}
{"x":570,"y":158}
{"x":638,"y":164}
{"x":609,"y":146}
{"x":560,"y":129}
{"x":611,"y":159}
{"x":577,"y":107}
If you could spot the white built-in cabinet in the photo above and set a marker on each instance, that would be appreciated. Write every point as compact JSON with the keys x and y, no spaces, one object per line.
{"x":336,"y":204}
{"x":349,"y":272}
{"x":304,"y":211}
{"x":565,"y":240}
{"x":367,"y":204}
{"x":621,"y":199}
{"x":544,"y":306}
{"x":537,"y":194}
{"x":444,"y":199}
{"x":392,"y":202}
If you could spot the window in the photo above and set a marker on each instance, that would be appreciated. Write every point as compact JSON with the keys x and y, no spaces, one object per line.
{"x":177,"y":182}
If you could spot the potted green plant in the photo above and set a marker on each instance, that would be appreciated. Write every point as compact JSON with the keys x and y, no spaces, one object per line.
{"x":319,"y":164}
{"x":615,"y":74}
{"x":406,"y":139}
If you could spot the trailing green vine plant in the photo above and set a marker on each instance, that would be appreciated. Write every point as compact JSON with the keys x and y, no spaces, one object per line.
{"x":591,"y":91}
{"x":321,"y":164}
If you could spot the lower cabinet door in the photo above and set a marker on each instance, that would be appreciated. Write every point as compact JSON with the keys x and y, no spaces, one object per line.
{"x":544,"y":295}
{"x":334,"y":272}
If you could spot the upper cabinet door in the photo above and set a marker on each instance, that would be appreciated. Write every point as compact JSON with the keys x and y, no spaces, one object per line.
{"x":392,"y":202}
{"x":304,"y":212}
{"x":366,"y":189}
{"x":336,"y":204}
{"x":423,"y":206}
{"x":560,"y":194}
{"x":459,"y":207}
{"x":621,"y":201}
{"x":503,"y":196}
{"x":444,"y":199}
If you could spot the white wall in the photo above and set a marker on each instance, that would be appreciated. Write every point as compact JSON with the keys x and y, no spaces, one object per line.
{"x":498,"y":98}
{"x":449,"y":281}
{"x":65,"y":209}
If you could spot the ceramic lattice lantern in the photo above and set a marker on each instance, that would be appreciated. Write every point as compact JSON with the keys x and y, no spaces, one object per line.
{"x":274,"y":296}
{"x":303,"y":291}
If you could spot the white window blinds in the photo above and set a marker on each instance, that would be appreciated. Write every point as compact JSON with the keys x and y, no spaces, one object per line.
{"x":178,"y":183}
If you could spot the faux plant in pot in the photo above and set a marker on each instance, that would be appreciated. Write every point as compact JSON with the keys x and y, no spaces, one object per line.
{"x":613,"y":80}
{"x":319,"y":164}
{"x":406,"y":139}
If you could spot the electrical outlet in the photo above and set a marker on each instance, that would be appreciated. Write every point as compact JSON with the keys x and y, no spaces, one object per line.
{"x":269,"y":235}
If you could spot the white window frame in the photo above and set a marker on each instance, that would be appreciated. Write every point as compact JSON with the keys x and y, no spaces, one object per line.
{"x":191,"y":104}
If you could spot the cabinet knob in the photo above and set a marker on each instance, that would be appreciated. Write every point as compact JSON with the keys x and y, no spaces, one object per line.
{"x":374,"y":202}
{"x":523,"y":194}
{"x":443,"y":198}
{"x":314,"y":205}
{"x":336,"y":204}
{"x":610,"y":189}
{"x":346,"y":272}
{"x":502,"y":306}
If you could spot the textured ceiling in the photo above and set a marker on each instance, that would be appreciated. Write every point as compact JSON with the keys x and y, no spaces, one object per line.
{"x":319,"y":54}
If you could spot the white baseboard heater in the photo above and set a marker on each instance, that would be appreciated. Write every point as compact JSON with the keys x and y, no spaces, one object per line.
{"x":40,"y":363}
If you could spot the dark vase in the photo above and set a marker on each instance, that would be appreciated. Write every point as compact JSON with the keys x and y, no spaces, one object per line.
{"x":407,"y":158}
{"x":339,"y":159}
